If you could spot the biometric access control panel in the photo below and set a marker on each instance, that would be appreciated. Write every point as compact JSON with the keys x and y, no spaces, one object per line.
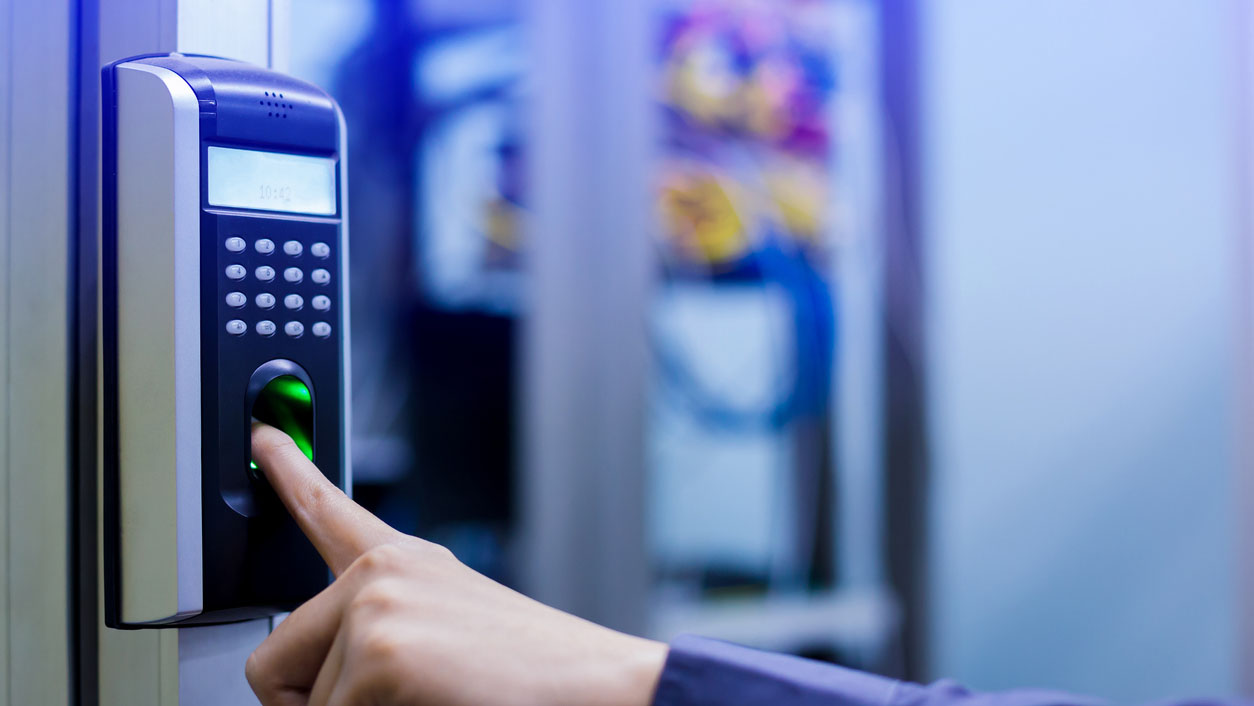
{"x":224,"y":298}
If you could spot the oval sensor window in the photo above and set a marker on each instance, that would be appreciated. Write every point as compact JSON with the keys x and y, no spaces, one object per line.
{"x":287,"y":404}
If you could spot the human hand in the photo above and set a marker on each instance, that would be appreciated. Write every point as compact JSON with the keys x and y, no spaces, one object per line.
{"x":405,"y":622}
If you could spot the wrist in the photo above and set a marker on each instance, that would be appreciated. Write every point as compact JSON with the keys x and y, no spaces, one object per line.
{"x":619,"y":671}
{"x":642,"y":670}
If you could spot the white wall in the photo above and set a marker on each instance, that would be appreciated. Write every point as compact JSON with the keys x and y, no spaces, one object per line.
{"x":1080,"y":221}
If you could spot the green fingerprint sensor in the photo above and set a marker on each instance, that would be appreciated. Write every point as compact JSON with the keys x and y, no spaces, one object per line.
{"x":287,"y":404}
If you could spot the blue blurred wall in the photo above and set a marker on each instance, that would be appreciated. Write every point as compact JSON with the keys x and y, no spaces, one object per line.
{"x":1080,"y":218}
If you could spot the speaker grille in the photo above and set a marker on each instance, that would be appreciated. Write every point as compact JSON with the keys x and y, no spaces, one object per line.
{"x":275,"y":105}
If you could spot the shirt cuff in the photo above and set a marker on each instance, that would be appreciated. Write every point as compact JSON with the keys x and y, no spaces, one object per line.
{"x":704,"y":672}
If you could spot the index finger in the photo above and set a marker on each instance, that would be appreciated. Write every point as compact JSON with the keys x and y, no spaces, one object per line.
{"x":340,"y":529}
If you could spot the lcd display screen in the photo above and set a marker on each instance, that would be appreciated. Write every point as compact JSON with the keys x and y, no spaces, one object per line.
{"x":271,"y":181}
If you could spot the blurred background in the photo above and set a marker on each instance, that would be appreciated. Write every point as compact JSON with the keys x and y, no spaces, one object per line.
{"x":900,"y":334}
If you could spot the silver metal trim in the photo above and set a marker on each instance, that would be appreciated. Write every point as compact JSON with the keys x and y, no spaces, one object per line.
{"x":211,"y":662}
{"x":346,"y":403}
{"x":159,"y":371}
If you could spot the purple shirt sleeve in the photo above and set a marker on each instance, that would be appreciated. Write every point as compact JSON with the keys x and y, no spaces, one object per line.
{"x":703,"y":672}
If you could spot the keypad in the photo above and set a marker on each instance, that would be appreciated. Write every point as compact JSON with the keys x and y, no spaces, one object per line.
{"x":281,"y":271}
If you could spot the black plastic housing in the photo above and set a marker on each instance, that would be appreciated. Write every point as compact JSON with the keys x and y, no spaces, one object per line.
{"x":256,"y":562}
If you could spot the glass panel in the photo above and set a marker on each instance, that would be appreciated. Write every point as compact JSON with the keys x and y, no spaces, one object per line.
{"x":271,"y":181}
{"x":744,"y":325}
{"x":431,"y":92}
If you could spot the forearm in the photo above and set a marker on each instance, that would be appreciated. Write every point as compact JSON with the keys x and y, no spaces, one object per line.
{"x":702,"y":672}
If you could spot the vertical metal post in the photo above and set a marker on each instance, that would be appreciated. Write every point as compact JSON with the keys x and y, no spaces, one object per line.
{"x":1242,"y":35}
{"x":858,"y":382}
{"x":34,"y":240}
{"x":6,"y":99}
{"x":584,"y":354}
{"x":6,"y":130}
{"x":905,"y":431}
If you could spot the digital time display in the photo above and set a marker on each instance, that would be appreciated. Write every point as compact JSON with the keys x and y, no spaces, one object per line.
{"x":271,"y":181}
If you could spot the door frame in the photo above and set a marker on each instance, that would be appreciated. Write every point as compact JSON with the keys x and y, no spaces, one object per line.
{"x":170,"y":666}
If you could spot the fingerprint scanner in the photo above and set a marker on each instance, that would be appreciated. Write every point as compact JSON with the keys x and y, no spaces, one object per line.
{"x":286,"y":403}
